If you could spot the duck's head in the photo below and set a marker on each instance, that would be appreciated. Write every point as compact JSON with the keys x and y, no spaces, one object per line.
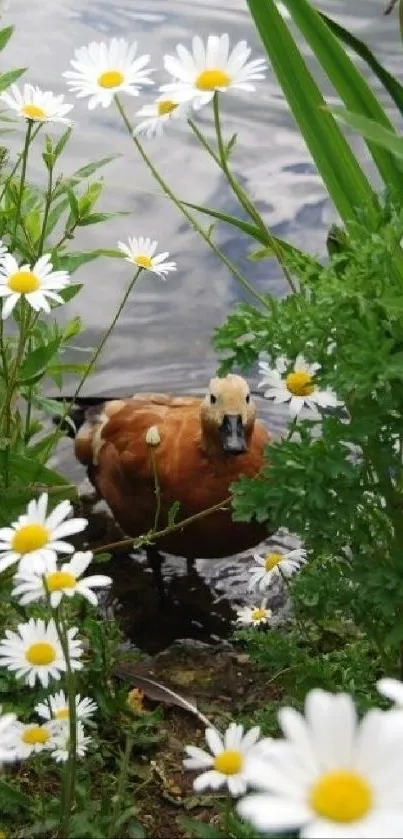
{"x":228,"y":414}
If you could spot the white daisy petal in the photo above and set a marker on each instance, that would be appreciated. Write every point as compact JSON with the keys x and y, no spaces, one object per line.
{"x":34,"y":652}
{"x":228,"y":759}
{"x":332,"y":776}
{"x":102,"y":70}
{"x":208,"y":68}
{"x":391,"y":688}
{"x":141,"y":252}
{"x":36,"y":104}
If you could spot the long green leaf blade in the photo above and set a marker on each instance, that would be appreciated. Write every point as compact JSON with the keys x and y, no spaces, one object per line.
{"x":346,"y":79}
{"x":347,"y":185}
{"x":371,"y":130}
{"x":392,"y":85}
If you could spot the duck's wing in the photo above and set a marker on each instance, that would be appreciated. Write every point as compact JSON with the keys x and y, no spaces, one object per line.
{"x":124,"y":423}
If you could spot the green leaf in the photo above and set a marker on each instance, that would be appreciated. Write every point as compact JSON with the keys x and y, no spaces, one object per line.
{"x":71,"y":291}
{"x":371,"y":130}
{"x":205,"y":831}
{"x":347,"y":80}
{"x":87,"y":201}
{"x":5,"y":35}
{"x":56,"y":213}
{"x":62,"y":142}
{"x":347,"y":185}
{"x":35,"y":364}
{"x":90,"y":168}
{"x":96,"y":218}
{"x":99,"y":558}
{"x":249,"y":229}
{"x":393,"y":87}
{"x":74,"y":207}
{"x":30,"y":471}
{"x":71,"y":261}
{"x":11,"y":795}
{"x":9,"y":78}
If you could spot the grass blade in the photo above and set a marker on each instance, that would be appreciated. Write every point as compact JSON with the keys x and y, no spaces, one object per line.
{"x":346,"y":183}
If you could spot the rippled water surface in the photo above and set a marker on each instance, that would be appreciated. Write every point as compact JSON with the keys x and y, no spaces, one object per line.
{"x":163,"y":339}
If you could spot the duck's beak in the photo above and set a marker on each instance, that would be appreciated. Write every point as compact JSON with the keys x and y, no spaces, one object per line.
{"x":232,"y":434}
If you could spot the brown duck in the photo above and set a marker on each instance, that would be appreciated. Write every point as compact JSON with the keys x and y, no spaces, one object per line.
{"x":205,"y":445}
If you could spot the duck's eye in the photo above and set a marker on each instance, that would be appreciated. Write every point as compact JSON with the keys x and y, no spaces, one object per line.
{"x":213,"y":399}
{"x":247,"y":398}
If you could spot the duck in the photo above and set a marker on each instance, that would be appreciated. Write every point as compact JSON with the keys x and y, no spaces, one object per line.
{"x":197,"y":446}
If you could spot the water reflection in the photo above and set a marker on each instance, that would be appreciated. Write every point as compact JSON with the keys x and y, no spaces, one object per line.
{"x":163,"y":340}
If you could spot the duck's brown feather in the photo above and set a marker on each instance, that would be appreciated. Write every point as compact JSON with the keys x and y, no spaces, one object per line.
{"x":113,"y":446}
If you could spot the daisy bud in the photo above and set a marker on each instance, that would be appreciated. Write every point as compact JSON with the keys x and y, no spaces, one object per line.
{"x":153,"y":436}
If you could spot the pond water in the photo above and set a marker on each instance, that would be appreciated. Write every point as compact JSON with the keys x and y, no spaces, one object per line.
{"x":162,"y":341}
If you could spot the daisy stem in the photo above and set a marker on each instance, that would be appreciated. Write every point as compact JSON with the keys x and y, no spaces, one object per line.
{"x":17,"y":163}
{"x":227,"y":815}
{"x":90,"y":367}
{"x":185,"y":212}
{"x":244,"y":199}
{"x":71,"y":765}
{"x":6,"y":409}
{"x":28,"y":137}
{"x":297,"y":617}
{"x":48,"y":201}
{"x":124,"y":768}
{"x":157,"y":487}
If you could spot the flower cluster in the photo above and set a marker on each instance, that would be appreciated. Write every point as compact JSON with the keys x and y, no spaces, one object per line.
{"x":330,"y":775}
{"x":40,"y":651}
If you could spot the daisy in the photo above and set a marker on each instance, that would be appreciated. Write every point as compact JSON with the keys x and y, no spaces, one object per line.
{"x":209,"y":68}
{"x":392,"y":689}
{"x":298,"y":387}
{"x":61,"y":741}
{"x":227,"y":762}
{"x":36,"y":284}
{"x":56,"y":707}
{"x":31,"y":738}
{"x":32,"y":586}
{"x":156,"y":115}
{"x":254,"y":615}
{"x":141,"y":252}
{"x":102,"y":70}
{"x":331,"y":776}
{"x":35,"y":537}
{"x":34,"y":651}
{"x":38,"y":105}
{"x":7,"y":737}
{"x":278,"y":564}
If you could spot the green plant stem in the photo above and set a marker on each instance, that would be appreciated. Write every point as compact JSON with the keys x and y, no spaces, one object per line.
{"x":17,"y":163}
{"x":48,"y":202}
{"x":243,"y":198}
{"x":185,"y":212}
{"x":122,"y":780}
{"x":28,"y":137}
{"x":6,"y":409}
{"x":298,"y":620}
{"x":227,"y":815}
{"x":71,"y":765}
{"x":157,"y":487}
{"x":91,"y":364}
{"x":171,"y":528}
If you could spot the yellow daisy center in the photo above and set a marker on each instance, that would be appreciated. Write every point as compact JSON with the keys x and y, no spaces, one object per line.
{"x":228,"y":762}
{"x":35,"y":735}
{"x":40,"y":653}
{"x":111,"y":78}
{"x":211,"y":79}
{"x":33,"y":112}
{"x":258,"y":614}
{"x":58,"y":580}
{"x":61,"y":714}
{"x":143,"y":261}
{"x":166,"y":106}
{"x":272,"y":560}
{"x":23,"y":282}
{"x":341,"y":796}
{"x":300,"y":384}
{"x":30,"y":537}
